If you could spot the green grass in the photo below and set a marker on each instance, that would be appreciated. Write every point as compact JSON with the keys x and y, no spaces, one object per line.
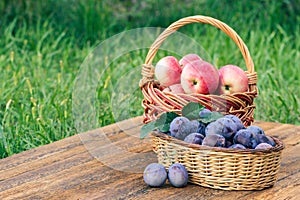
{"x":45,"y":43}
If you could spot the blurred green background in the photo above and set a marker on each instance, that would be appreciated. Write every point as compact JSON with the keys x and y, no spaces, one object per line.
{"x":43,"y":44}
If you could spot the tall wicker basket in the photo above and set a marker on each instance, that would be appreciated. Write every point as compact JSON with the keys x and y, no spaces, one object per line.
{"x":220,"y":168}
{"x":155,"y":101}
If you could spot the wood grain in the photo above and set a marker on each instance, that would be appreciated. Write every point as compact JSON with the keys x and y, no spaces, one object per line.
{"x":77,"y":168}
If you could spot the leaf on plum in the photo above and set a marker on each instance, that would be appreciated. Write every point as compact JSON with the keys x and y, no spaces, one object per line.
{"x":162,"y":124}
{"x":210,"y":117}
{"x":191,"y":110}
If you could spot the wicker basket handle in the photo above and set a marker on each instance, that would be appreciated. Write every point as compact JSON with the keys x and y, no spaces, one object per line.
{"x":148,"y":69}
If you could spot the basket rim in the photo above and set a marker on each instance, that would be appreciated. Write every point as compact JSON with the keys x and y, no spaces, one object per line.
{"x":156,"y":101}
{"x":279,"y":145}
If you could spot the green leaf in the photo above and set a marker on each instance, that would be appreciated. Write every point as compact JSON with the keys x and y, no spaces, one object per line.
{"x":162,"y":124}
{"x":164,"y":121}
{"x":210,"y":117}
{"x":147,"y":128}
{"x":191,"y":110}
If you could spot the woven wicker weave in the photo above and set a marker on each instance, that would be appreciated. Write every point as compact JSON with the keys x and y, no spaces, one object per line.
{"x":155,"y":101}
{"x":221,"y":168}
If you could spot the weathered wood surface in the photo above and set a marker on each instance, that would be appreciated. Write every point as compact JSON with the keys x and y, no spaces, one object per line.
{"x":69,"y":169}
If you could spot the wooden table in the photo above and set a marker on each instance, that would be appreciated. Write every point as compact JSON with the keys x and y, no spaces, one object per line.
{"x":76,"y":168}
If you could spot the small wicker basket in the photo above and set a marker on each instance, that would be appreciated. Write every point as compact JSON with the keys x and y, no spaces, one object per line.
{"x":219,"y":168}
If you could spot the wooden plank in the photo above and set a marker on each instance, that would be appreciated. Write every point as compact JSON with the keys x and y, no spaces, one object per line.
{"x":75,"y":168}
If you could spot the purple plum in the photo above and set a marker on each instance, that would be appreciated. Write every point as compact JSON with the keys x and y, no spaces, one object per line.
{"x":194,"y":138}
{"x":246,"y":138}
{"x":180,"y":127}
{"x":237,"y":146}
{"x":214,"y":140}
{"x":239,"y":124}
{"x":256,"y":129}
{"x":222,"y":126}
{"x":155,"y":175}
{"x":263,"y":146}
{"x":178,"y":175}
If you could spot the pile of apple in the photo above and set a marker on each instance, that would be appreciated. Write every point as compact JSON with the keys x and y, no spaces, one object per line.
{"x":191,"y":74}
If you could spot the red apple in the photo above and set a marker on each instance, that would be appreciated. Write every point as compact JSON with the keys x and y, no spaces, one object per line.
{"x":168,"y":71}
{"x":232,"y":79}
{"x":188,"y":58}
{"x":199,"y":77}
{"x":176,"y":89}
